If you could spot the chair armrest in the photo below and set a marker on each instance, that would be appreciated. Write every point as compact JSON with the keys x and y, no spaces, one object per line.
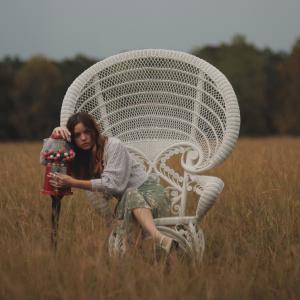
{"x":208,"y":188}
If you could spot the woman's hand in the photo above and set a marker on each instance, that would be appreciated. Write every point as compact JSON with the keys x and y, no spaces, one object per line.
{"x":63,"y":132}
{"x":58,"y":180}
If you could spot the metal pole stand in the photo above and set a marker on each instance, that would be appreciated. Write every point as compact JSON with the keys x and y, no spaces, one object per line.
{"x":56,"y":203}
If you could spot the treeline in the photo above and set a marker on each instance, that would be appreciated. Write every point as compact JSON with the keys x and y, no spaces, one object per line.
{"x":267,"y":85}
{"x":32,"y":92}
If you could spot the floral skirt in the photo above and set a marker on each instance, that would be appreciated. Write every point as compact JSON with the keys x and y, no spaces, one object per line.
{"x":149,"y":195}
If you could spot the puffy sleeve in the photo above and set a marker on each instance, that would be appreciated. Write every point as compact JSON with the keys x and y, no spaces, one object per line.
{"x":115,"y":176}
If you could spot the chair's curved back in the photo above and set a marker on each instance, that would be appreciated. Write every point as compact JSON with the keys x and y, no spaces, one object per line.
{"x":152,"y":99}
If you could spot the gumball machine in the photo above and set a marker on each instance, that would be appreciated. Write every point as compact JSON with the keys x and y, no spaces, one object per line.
{"x":56,"y":155}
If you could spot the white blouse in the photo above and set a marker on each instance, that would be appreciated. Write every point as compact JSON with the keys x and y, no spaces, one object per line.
{"x":120,"y":172}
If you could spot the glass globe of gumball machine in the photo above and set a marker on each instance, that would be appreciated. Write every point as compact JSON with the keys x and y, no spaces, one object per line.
{"x":56,"y":155}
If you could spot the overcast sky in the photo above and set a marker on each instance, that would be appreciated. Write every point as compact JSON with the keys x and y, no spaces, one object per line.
{"x":98,"y":28}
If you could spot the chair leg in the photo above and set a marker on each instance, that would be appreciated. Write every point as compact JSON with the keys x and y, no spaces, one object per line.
{"x":117,"y":242}
{"x":190,"y":240}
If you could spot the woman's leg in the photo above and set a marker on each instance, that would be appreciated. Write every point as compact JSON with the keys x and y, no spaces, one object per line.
{"x":145,"y":218}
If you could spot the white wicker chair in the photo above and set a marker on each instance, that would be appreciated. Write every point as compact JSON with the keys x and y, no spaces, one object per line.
{"x":163,"y":104}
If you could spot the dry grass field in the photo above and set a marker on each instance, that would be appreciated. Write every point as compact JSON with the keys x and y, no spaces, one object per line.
{"x":252,"y":236}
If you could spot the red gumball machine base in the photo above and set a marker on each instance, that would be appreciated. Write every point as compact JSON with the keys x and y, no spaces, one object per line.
{"x":48,"y":188}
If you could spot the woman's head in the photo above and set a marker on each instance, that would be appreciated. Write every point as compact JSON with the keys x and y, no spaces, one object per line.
{"x":89,"y":145}
{"x":84,"y":130}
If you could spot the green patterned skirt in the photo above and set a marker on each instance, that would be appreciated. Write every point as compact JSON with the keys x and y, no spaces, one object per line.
{"x":149,"y":195}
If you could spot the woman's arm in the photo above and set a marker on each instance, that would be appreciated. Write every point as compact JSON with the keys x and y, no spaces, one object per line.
{"x":62,"y":181}
{"x":114,"y":178}
{"x":82,"y":184}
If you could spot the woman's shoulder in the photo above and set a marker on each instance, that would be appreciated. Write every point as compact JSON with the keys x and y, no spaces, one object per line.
{"x":113,"y":142}
{"x":113,"y":147}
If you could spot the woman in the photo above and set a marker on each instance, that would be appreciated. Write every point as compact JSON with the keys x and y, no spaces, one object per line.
{"x":103,"y":164}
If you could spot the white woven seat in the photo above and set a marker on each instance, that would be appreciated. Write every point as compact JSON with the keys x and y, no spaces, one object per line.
{"x":164,"y":104}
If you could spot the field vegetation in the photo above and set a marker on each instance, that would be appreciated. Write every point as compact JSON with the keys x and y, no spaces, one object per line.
{"x":252,"y":235}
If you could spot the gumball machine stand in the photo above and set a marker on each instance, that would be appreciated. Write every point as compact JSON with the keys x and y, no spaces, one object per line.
{"x":56,"y":155}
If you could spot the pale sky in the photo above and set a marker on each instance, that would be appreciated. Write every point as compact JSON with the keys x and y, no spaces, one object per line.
{"x":98,"y":28}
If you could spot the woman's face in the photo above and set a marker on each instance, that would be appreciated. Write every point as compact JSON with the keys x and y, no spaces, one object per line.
{"x":83,"y":137}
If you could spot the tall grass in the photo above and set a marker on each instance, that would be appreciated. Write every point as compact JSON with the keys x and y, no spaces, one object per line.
{"x":252,"y":236}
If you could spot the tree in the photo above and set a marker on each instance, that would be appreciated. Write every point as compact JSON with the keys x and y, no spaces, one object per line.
{"x":72,"y":68}
{"x":287,"y":116}
{"x":36,"y":98}
{"x":8,"y":69}
{"x":245,"y":67}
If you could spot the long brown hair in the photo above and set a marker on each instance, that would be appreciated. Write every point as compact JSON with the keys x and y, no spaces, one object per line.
{"x":86,"y":165}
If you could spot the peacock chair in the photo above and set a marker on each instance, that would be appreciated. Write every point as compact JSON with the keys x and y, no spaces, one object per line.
{"x":178,"y":116}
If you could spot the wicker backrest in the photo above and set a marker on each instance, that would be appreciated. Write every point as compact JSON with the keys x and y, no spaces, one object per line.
{"x":153,"y":99}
